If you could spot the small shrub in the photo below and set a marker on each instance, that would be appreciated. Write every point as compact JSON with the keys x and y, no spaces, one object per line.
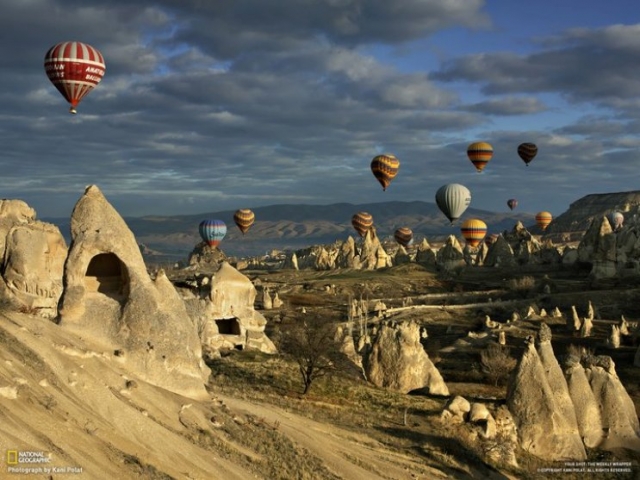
{"x":497,"y":363}
{"x":524,"y":284}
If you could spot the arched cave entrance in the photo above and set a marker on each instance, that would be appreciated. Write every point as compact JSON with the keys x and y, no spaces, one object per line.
{"x":107,"y":274}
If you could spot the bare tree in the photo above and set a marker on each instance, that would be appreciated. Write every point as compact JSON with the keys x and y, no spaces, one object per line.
{"x":313,"y":346}
{"x":496,"y":362}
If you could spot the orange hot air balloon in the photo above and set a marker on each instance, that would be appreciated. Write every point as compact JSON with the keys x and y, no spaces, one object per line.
{"x":473,"y":231}
{"x":244,"y":218}
{"x":543,"y":219}
{"x":527,"y":152}
{"x":480,"y":153}
{"x":404,"y":236}
{"x":385,"y":168}
{"x":75,"y":68}
{"x":362,"y":222}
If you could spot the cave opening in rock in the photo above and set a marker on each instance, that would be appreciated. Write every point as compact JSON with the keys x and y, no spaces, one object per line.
{"x":228,"y":326}
{"x":107,"y":274}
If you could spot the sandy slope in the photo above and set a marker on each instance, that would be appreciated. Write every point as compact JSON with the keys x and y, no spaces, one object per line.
{"x":64,"y":397}
{"x":344,"y":453}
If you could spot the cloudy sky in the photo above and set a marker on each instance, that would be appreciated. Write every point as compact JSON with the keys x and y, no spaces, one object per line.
{"x":216,"y":105}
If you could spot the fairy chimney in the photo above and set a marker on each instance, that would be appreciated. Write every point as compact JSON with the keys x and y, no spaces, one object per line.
{"x":110,"y":298}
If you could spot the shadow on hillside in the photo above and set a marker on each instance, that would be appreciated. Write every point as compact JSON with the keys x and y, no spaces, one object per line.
{"x":442,"y":452}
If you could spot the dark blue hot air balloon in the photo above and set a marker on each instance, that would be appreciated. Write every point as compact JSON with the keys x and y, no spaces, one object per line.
{"x":212,"y":231}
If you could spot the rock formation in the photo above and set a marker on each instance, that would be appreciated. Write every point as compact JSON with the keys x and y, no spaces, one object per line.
{"x":109,"y":297}
{"x":584,"y":401}
{"x":397,"y":361}
{"x":228,"y":319}
{"x":372,"y":254}
{"x":450,"y":258}
{"x":425,"y":256}
{"x":598,"y":248}
{"x":500,"y":254}
{"x":33,"y":256}
{"x":565,"y":415}
{"x":206,"y":257}
{"x":619,"y":417}
{"x":543,"y":428}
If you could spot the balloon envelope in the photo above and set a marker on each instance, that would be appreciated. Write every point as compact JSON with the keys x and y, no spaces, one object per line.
{"x":404,"y":236}
{"x":212,"y":231}
{"x":362,"y":222}
{"x":543,"y":219}
{"x":616,"y":219}
{"x":527,"y":152}
{"x":512,"y":203}
{"x":453,"y":199}
{"x":244,"y":218}
{"x":480,"y":153}
{"x":385,"y":168}
{"x":75,"y":68}
{"x":473,"y":231}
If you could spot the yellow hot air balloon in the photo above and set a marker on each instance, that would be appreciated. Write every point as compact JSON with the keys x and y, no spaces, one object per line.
{"x":362,"y":222}
{"x":244,"y":218}
{"x":480,"y":153}
{"x":385,"y":168}
{"x":473,"y":231}
{"x":543,"y":219}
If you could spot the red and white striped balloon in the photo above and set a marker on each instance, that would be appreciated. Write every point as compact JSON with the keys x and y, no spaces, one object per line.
{"x":74,"y":68}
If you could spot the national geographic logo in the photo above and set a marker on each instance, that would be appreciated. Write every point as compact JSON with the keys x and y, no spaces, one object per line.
{"x":20,"y":457}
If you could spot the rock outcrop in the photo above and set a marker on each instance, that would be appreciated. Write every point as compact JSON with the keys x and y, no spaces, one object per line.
{"x":230,"y":320}
{"x":450,"y":258}
{"x":584,"y":401}
{"x":619,"y":417}
{"x":397,"y":361}
{"x":425,"y":255}
{"x":33,"y":256}
{"x":500,"y":254}
{"x":543,"y":427}
{"x":110,"y":298}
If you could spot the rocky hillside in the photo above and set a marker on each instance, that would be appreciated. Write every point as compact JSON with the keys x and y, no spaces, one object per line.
{"x":575,"y":221}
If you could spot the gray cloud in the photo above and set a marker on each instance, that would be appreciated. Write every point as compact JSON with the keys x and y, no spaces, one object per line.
{"x":598,"y":65}
{"x":216,"y":105}
{"x":508,"y":106}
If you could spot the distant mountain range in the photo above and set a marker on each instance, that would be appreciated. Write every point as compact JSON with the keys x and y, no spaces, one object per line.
{"x":282,"y":227}
{"x":287,"y":226}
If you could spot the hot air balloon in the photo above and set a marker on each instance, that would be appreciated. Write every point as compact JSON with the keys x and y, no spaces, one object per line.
{"x":616,"y":219}
{"x":404,"y":236}
{"x":212,"y":231}
{"x":543,"y":219}
{"x":473,"y":231}
{"x":480,"y":153}
{"x":453,"y":199}
{"x":527,"y":152}
{"x":244,"y":218}
{"x":512,"y":203}
{"x":385,"y":168}
{"x":362,"y":222}
{"x":74,"y":68}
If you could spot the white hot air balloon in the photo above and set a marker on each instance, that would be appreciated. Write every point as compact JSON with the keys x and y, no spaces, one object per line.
{"x":453,"y":199}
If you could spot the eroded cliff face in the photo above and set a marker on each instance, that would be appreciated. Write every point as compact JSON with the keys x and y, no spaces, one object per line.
{"x":583,"y":211}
